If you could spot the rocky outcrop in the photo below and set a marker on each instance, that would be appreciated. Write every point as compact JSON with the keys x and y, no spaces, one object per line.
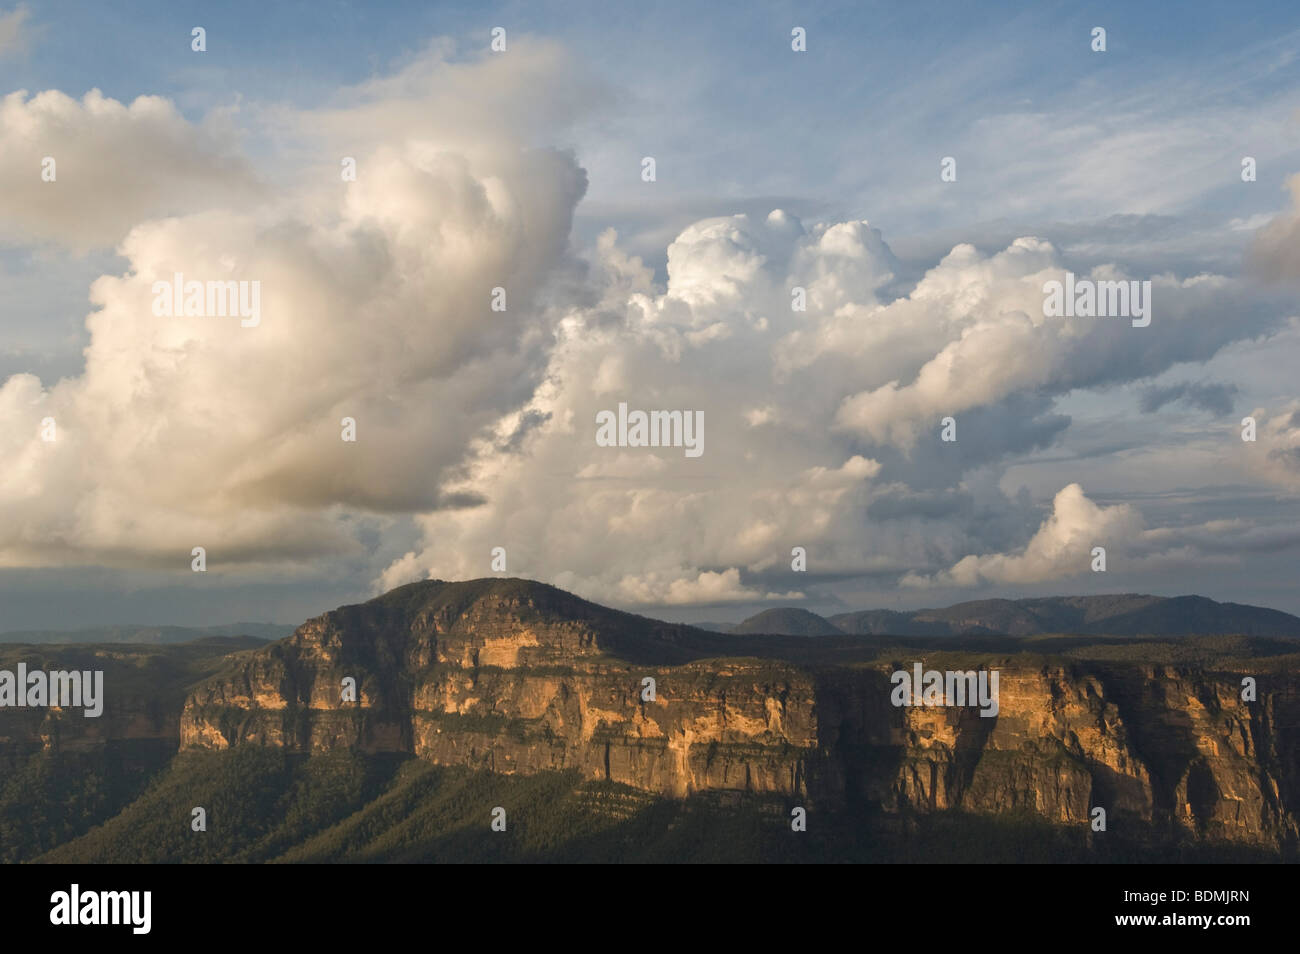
{"x":517,"y":677}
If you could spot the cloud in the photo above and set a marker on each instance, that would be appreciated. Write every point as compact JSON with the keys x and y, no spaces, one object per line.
{"x":600,"y":518}
{"x":476,"y":427}
{"x":679,"y":588}
{"x":15,"y":33}
{"x":795,"y":454}
{"x":114,"y":166}
{"x":1062,"y":547}
{"x":1275,"y":253}
{"x":474,"y":107}
{"x":1214,"y":398}
{"x":973,"y":333}
{"x":375,"y":305}
{"x":1274,"y":456}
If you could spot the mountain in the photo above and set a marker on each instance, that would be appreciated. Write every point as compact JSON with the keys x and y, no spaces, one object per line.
{"x":787,"y":621}
{"x":608,"y":736}
{"x":153,"y":635}
{"x":1114,"y":615}
{"x":516,"y":677}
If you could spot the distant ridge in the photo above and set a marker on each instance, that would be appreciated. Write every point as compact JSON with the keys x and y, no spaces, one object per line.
{"x":1126,"y":614}
{"x":154,"y":635}
{"x":787,"y":621}
{"x":1123,"y":614}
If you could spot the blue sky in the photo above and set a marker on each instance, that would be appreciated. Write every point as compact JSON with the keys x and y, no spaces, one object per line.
{"x":1129,"y":158}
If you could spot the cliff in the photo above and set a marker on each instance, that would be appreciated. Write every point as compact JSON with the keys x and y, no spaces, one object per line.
{"x":518,"y":677}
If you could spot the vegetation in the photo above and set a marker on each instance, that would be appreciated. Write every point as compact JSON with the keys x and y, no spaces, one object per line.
{"x":263,"y":806}
{"x":46,"y":800}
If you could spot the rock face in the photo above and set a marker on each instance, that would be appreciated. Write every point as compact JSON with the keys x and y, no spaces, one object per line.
{"x":513,"y":676}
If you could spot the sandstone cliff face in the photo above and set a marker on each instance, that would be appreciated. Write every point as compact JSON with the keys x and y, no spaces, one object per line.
{"x":523,"y":678}
{"x":503,"y":684}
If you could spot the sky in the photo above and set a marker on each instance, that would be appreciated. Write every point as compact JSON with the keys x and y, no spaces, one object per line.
{"x":129,"y":437}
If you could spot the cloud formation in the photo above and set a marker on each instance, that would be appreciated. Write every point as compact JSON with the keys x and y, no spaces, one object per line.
{"x":375,"y":305}
{"x":1062,"y":547}
{"x":1275,"y":253}
{"x":84,"y":172}
{"x":476,"y":427}
{"x":821,"y":424}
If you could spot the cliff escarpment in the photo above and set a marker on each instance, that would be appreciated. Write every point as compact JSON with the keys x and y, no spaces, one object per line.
{"x":519,"y":678}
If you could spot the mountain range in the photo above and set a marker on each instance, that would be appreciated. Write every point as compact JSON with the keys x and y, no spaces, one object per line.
{"x":1112,"y":615}
{"x":398,"y":729}
{"x":1126,"y":614}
